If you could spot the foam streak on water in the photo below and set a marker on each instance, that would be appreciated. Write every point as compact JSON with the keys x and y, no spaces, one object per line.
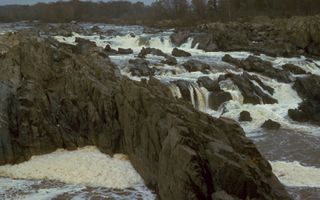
{"x":294,"y":174}
{"x":85,"y":166}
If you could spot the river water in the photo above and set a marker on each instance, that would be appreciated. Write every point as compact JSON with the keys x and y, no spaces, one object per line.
{"x":293,"y":151}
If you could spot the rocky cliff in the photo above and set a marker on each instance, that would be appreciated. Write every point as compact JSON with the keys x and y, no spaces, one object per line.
{"x":57,"y":96}
{"x":275,"y":37}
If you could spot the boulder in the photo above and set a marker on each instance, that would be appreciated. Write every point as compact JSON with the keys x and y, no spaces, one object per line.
{"x":229,"y":59}
{"x":209,"y":84}
{"x":245,"y":116}
{"x":153,"y":51}
{"x":217,"y":99}
{"x":293,"y":69}
{"x":180,"y":53}
{"x":196,"y":65}
{"x":179,"y":38}
{"x":110,"y":51}
{"x":140,"y":67}
{"x":169,"y":60}
{"x":125,"y":51}
{"x":271,"y":125}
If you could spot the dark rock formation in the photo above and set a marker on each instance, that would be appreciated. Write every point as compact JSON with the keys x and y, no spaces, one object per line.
{"x":251,"y":93}
{"x":271,"y":125}
{"x":59,"y":98}
{"x":180,"y":53}
{"x":110,"y":51}
{"x":84,"y":45}
{"x":153,"y":51}
{"x":293,"y":69}
{"x":179,"y":38}
{"x":308,"y":89}
{"x":245,"y":116}
{"x":140,"y":67}
{"x":184,"y":89}
{"x":209,"y":84}
{"x":195,"y":65}
{"x":217,"y":99}
{"x":125,"y":51}
{"x":6,"y":152}
{"x":255,"y":64}
{"x":229,"y":59}
{"x":169,"y":60}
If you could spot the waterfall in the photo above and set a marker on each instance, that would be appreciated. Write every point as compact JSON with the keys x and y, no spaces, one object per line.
{"x":175,"y":91}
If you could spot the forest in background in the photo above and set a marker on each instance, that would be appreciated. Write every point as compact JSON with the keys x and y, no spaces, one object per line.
{"x":183,"y":12}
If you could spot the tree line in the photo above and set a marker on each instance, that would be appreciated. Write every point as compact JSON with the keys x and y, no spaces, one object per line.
{"x":189,"y":11}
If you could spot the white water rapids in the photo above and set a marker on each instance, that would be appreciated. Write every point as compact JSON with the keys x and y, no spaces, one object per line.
{"x":300,"y":171}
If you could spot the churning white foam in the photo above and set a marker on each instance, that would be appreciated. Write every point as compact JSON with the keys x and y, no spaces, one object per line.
{"x":293,"y":174}
{"x":86,"y":166}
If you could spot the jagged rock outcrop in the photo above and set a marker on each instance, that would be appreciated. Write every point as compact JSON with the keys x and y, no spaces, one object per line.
{"x":140,"y":67}
{"x":195,"y":65}
{"x":60,"y":98}
{"x":180,"y":53}
{"x":169,"y":60}
{"x":308,"y":89}
{"x":109,"y":50}
{"x":252,"y":94}
{"x":255,"y":64}
{"x":293,"y":69}
{"x":217,"y":99}
{"x":209,"y":84}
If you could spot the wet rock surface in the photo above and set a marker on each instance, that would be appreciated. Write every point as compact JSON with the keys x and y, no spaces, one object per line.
{"x":180,"y":53}
{"x":209,"y":84}
{"x":217,"y":99}
{"x":140,"y":67}
{"x":245,"y":116}
{"x":195,"y":65}
{"x":255,"y":64}
{"x":59,"y":97}
{"x":125,"y":51}
{"x":271,"y":125}
{"x":251,"y":93}
{"x":308,"y":89}
{"x":293,"y":69}
{"x":169,"y":60}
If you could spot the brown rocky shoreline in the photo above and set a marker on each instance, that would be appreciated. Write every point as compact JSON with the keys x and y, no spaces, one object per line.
{"x":295,"y":36}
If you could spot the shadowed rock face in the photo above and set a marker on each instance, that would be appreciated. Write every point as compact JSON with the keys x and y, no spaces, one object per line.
{"x":54,"y":98}
{"x":255,"y":64}
{"x":308,"y":89}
